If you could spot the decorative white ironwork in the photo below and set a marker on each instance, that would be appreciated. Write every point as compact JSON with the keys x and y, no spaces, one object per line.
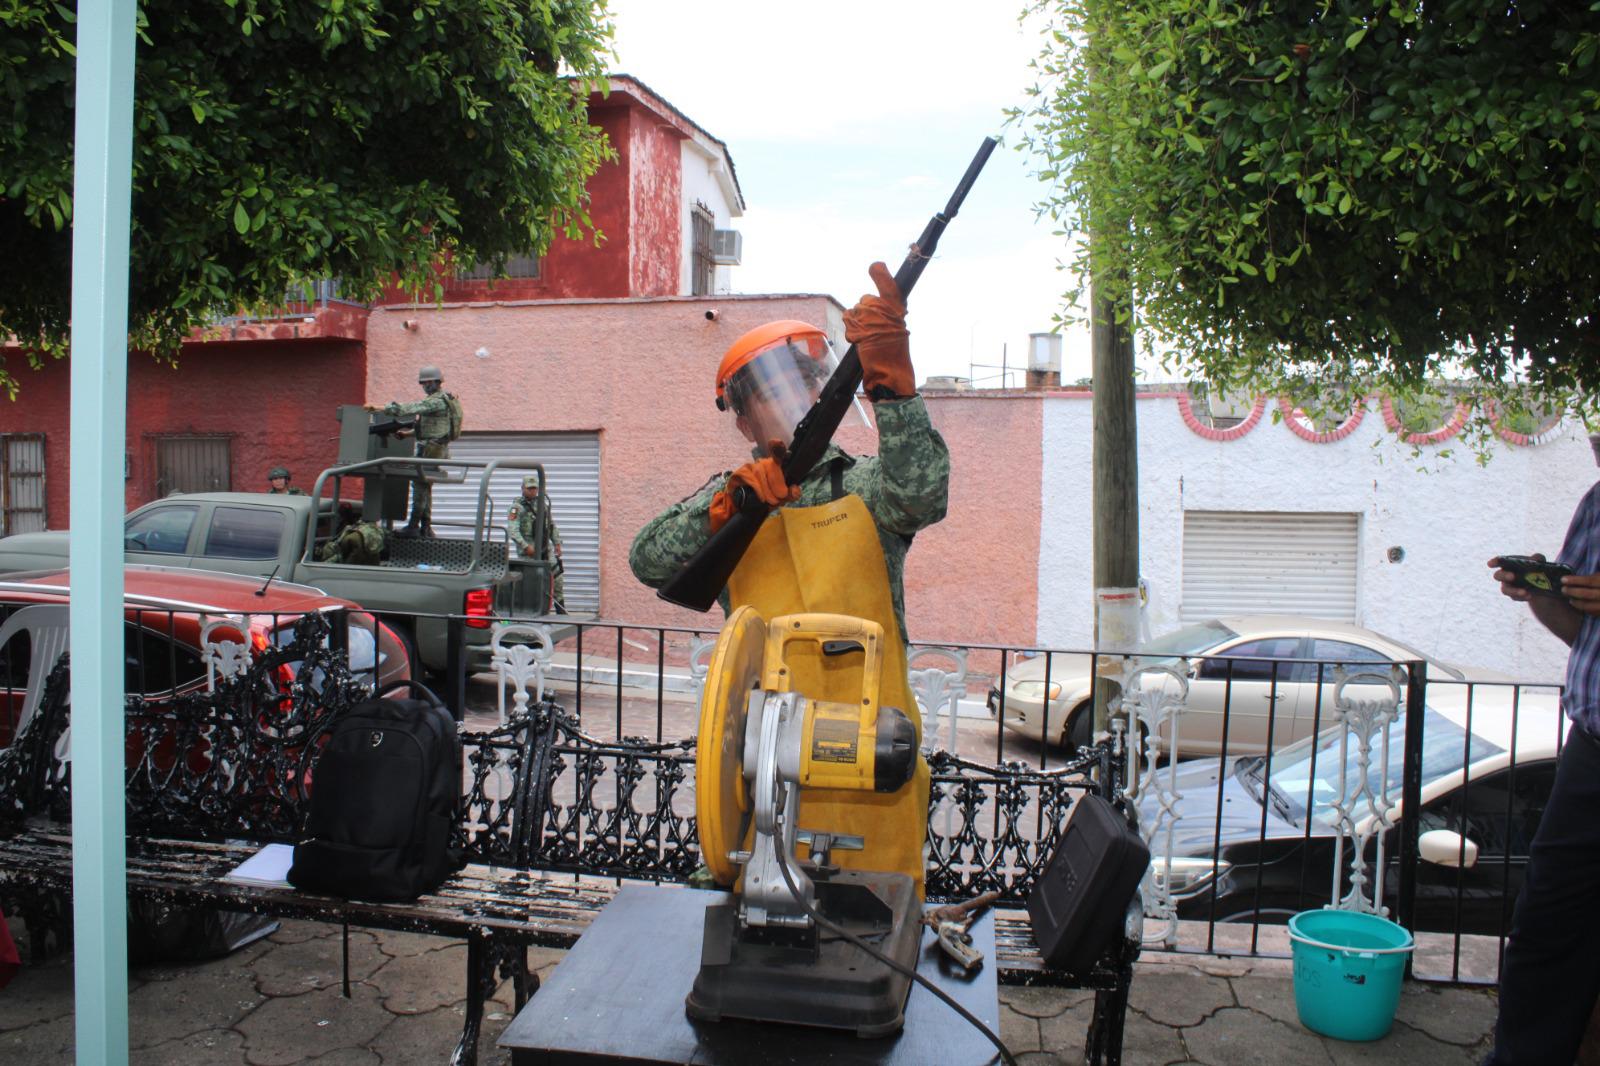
{"x":938,"y":691}
{"x":1154,"y":695}
{"x":1361,"y":812}
{"x":225,"y":659}
{"x":520,"y":664}
{"x":700,"y":664}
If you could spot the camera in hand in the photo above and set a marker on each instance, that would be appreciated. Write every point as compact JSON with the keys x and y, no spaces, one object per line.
{"x":1536,"y":575}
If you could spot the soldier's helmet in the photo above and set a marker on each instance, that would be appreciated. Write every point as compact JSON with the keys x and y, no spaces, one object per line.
{"x":429,"y":373}
{"x":277,"y":472}
{"x":530,"y":482}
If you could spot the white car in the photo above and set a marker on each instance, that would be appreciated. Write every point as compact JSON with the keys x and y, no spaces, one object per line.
{"x":1266,"y":671}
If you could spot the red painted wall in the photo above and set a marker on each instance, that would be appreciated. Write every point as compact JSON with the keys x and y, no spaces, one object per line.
{"x":275,"y":400}
{"x":634,"y":202}
{"x":655,"y":237}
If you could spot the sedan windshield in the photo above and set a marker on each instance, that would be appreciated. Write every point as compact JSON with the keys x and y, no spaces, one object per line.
{"x":1444,"y":752}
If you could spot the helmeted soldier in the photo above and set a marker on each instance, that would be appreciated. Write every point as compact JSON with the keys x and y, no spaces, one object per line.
{"x":524,"y":527}
{"x":768,"y":380}
{"x":278,"y":483}
{"x":836,"y":542}
{"x":438,"y":416}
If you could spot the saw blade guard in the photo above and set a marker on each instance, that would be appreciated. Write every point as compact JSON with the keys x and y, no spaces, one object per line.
{"x":721,"y":796}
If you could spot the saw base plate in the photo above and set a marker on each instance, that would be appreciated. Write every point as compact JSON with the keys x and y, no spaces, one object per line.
{"x":820,"y":980}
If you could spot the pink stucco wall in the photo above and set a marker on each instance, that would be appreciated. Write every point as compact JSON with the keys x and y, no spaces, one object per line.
{"x":640,"y":373}
{"x":973,"y":578}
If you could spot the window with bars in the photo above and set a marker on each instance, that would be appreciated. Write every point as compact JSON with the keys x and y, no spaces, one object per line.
{"x":705,"y":268}
{"x":193,"y":464}
{"x":524,"y":267}
{"x":22,"y":498}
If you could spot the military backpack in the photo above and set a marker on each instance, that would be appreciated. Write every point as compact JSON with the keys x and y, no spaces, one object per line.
{"x":454,"y":407}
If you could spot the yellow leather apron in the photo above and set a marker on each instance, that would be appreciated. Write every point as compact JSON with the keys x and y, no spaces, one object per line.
{"x":828,"y":559}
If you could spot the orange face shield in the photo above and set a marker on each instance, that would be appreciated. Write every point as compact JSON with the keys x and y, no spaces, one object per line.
{"x":771,"y":376}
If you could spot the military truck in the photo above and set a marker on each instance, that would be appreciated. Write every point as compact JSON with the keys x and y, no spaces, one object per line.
{"x":278,"y":537}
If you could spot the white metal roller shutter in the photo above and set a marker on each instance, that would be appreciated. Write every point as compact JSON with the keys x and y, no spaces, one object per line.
{"x":572,"y":472}
{"x":1270,"y":563}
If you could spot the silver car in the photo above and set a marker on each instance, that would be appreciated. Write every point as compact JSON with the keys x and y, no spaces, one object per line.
{"x":1265,"y":671}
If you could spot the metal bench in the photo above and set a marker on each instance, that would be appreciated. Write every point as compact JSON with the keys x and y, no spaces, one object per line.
{"x":552,"y":820}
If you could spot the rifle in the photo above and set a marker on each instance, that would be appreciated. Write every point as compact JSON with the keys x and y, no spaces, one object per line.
{"x":393,"y":425}
{"x":703,"y":577}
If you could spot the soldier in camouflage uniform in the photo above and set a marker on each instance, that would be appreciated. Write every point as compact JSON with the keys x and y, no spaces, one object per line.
{"x":361,"y":543}
{"x":433,"y":442}
{"x":904,"y":487}
{"x":278,"y":483}
{"x":523,"y":520}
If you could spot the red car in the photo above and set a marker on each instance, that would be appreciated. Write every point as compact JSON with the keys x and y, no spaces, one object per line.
{"x":166,"y":610}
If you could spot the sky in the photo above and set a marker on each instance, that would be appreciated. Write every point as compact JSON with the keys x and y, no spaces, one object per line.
{"x":849,"y":125}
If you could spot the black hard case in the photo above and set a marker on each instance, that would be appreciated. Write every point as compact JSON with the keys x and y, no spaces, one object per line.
{"x":1079,"y":904}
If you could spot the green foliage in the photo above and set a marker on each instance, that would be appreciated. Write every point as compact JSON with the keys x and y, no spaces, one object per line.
{"x":1302,"y":193}
{"x":281,"y":140}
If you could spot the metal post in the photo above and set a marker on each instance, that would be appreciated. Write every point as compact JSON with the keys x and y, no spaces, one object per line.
{"x":455,"y":668}
{"x":102,"y":177}
{"x":1411,"y":796}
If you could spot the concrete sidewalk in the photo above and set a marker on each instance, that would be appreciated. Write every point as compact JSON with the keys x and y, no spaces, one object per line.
{"x":277,"y":1002}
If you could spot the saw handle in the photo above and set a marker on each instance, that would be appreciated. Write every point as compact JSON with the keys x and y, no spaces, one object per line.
{"x":828,"y":632}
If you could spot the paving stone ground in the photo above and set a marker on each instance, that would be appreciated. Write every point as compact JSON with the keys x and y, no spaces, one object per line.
{"x":277,"y":1002}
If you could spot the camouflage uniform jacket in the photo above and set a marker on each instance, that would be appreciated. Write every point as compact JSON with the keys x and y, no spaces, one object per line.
{"x":290,"y":491}
{"x":905,"y":487}
{"x":523,"y":521}
{"x":361,"y":544}
{"x":433,"y":417}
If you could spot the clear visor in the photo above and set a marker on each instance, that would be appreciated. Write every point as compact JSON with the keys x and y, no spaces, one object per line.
{"x":770,"y":394}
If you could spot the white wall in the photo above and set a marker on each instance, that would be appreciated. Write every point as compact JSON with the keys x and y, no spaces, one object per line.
{"x":702,"y":182}
{"x":1449,"y":514}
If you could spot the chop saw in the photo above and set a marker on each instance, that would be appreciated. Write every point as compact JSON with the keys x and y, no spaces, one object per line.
{"x":762,"y":742}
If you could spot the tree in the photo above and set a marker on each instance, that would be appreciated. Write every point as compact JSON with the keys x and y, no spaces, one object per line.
{"x":277,"y":141}
{"x":1337,"y":193}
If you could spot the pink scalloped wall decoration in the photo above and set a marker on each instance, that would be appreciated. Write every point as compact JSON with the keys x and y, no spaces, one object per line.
{"x":1302,"y":430}
{"x":1511,"y":436}
{"x":1433,"y":436}
{"x":1190,"y":419}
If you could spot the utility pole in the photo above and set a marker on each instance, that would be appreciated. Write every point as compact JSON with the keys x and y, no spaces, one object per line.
{"x":1116,"y":465}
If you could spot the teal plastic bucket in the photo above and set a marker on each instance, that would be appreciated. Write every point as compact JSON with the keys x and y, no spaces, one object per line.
{"x":1347,"y":972}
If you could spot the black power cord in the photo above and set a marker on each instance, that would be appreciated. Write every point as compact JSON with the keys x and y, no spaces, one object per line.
{"x":833,"y":927}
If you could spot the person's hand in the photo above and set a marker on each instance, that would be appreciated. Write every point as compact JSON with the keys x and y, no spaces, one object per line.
{"x":876,"y":325}
{"x":762,"y":476}
{"x":1583,"y":592}
{"x":1506,"y":577}
{"x":558,"y":551}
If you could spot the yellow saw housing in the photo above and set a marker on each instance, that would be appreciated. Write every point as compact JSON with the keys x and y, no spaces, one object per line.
{"x":849,"y":745}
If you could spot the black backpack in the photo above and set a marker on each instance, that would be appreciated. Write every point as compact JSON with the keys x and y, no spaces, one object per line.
{"x":383,"y":801}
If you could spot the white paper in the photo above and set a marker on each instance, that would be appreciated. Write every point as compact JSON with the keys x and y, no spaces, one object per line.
{"x":269,"y":866}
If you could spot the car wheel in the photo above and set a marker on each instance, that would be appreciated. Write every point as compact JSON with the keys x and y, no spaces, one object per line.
{"x":1080,"y":726}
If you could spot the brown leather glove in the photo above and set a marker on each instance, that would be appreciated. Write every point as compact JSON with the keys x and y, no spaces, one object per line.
{"x":876,"y":325}
{"x":762,"y":476}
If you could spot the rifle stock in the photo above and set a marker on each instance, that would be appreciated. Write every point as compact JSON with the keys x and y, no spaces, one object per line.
{"x":706,"y":573}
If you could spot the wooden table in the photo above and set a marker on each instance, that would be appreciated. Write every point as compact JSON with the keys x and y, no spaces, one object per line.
{"x":618,"y":998}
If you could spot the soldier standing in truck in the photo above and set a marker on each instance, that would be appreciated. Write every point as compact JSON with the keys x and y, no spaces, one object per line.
{"x":439,"y":418}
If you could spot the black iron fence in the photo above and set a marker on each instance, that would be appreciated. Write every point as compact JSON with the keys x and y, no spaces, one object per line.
{"x":1270,"y":784}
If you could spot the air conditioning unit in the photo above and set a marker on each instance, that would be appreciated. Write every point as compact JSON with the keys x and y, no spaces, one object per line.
{"x":726,"y":246}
